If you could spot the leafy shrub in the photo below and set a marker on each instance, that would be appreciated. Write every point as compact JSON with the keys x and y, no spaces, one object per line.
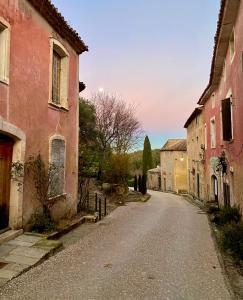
{"x":232,"y":239}
{"x":130,"y":182}
{"x":228,"y":215}
{"x":212,"y":209}
{"x":42,"y":223}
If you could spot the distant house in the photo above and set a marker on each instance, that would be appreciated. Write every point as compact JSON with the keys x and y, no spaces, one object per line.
{"x":154,"y":179}
{"x":195,"y":126}
{"x":173,"y":163}
{"x":39,"y":92}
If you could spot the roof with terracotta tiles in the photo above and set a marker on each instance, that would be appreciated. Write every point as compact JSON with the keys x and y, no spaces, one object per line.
{"x":227,"y":16}
{"x":175,"y":145}
{"x":57,"y":21}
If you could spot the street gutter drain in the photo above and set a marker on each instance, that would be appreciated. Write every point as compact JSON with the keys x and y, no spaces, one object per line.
{"x":2,"y":264}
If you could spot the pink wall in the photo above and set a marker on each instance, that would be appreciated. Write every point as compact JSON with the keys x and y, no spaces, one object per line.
{"x":234,"y":148}
{"x":26,"y":97}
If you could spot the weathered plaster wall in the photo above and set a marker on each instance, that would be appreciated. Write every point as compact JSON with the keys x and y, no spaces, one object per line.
{"x":196,"y":155}
{"x":173,"y":170}
{"x":24,"y":101}
{"x":231,"y":83}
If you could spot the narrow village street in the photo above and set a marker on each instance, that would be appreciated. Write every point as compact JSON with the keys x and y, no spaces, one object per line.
{"x":161,"y":249}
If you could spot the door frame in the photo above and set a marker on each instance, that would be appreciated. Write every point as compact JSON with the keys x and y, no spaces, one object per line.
{"x":16,"y":194}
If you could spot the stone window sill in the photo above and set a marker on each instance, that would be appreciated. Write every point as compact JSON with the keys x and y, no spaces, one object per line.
{"x":57,"y":106}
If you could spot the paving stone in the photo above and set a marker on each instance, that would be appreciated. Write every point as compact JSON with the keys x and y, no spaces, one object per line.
{"x":9,"y":235}
{"x":8,"y":274}
{"x":33,"y":252}
{"x":15,"y":242}
{"x":15,"y":267}
{"x":29,"y":238}
{"x":48,"y":244}
{"x":20,"y":259}
{"x":5,"y":249}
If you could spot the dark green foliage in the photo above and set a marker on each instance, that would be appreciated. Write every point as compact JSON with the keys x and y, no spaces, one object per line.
{"x":213,"y":210}
{"x":115,"y":169}
{"x":232,"y":239}
{"x":144,"y":184}
{"x":156,"y":157}
{"x":89,"y":151}
{"x":42,"y":223}
{"x":130,"y":182}
{"x":135,"y":183}
{"x":227,"y":215}
{"x":136,"y":160}
{"x":147,"y":156}
{"x":140,"y":183}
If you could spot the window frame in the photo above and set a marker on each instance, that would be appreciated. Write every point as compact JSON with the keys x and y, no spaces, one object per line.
{"x":231,"y":116}
{"x":57,"y":47}
{"x":232,"y":45}
{"x":5,"y":30}
{"x":62,"y":138}
{"x":213,"y":121}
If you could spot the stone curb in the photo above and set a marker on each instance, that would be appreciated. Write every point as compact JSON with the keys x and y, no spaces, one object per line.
{"x":216,"y":245}
{"x":57,"y":234}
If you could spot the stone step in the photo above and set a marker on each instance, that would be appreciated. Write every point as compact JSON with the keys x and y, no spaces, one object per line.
{"x":9,"y":235}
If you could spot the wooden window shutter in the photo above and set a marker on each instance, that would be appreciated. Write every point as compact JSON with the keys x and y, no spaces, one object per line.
{"x":226,"y":119}
{"x":56,"y":77}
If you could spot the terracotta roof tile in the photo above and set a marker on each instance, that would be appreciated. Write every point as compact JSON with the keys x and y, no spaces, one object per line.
{"x":57,"y":21}
{"x":175,"y":145}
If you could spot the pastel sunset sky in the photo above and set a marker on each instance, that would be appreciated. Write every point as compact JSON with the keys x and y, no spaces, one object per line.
{"x":153,"y":53}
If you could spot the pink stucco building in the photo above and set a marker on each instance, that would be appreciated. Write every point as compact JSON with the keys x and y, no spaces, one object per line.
{"x":39,"y":90}
{"x":222,"y":103}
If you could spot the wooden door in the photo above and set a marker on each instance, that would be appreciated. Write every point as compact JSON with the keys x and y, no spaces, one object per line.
{"x":6,"y":150}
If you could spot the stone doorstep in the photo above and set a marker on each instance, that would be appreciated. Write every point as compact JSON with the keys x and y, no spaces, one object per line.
{"x":23,"y":253}
{"x":9,"y":235}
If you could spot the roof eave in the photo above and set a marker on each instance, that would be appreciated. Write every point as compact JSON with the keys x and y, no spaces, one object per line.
{"x":227,"y":17}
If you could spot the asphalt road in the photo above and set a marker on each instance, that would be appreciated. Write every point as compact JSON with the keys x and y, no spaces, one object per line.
{"x":161,"y":249}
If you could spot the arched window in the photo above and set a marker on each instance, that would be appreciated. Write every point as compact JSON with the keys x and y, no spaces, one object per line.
{"x":57,"y":166}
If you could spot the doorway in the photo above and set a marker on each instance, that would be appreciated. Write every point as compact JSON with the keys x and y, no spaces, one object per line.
{"x":198,"y":185}
{"x":214,"y":187}
{"x":6,"y":152}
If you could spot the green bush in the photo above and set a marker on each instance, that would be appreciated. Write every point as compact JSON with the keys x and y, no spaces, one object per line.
{"x":212,"y":209}
{"x":232,"y":239}
{"x":130,"y":182}
{"x":227,"y":215}
{"x":42,"y":223}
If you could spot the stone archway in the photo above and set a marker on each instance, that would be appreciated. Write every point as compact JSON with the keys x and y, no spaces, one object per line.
{"x":16,"y":194}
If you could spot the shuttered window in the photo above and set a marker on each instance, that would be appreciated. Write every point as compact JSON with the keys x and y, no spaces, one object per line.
{"x":56,"y":77}
{"x":57,"y":162}
{"x":226,"y":119}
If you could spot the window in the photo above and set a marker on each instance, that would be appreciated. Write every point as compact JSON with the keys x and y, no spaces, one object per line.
{"x":4,"y":51}
{"x":213,"y":100}
{"x":57,"y":162}
{"x":226,"y":113}
{"x":206,"y":136}
{"x":59,"y":75}
{"x":56,"y":77}
{"x":232,"y":45}
{"x":213,"y":132}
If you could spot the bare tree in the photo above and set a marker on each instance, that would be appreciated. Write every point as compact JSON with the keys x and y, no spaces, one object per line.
{"x":117,"y":125}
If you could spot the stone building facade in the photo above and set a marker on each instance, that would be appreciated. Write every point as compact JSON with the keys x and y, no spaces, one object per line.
{"x":39,"y":91}
{"x":154,"y":179}
{"x":222,"y":103}
{"x":195,"y":126}
{"x":173,"y":163}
